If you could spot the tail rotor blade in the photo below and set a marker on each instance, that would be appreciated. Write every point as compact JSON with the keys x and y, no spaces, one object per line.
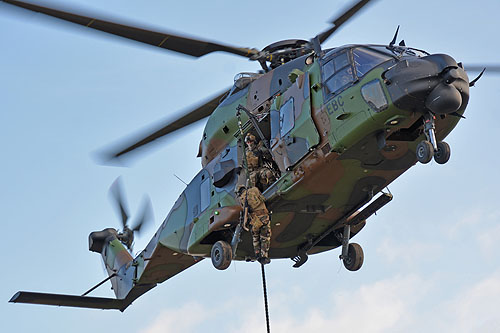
{"x":117,"y":197}
{"x":145,"y":216}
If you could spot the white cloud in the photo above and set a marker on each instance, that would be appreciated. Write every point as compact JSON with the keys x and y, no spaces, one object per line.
{"x":383,"y":306}
{"x":398,"y":304}
{"x":403,"y":303}
{"x":409,"y":252}
{"x":477,"y":308}
{"x":488,"y":240}
{"x":184,"y":319}
{"x":465,"y":221}
{"x":474,"y":218}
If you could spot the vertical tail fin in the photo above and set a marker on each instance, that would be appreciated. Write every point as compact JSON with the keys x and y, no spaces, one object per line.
{"x":115,"y":257}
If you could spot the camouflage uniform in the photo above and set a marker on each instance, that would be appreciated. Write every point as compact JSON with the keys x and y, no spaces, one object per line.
{"x":259,"y":219}
{"x":258,"y":173}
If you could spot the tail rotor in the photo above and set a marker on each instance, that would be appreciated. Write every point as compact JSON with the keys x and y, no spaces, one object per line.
{"x":144,"y":218}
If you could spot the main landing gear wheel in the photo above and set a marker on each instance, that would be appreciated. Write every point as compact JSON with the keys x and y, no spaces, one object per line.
{"x":443,"y":153}
{"x":221,"y":255}
{"x":354,"y":259}
{"x":425,"y":151}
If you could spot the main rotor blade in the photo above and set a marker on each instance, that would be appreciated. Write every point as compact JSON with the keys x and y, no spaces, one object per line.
{"x":188,"y":118}
{"x":117,"y":197}
{"x":490,"y":69}
{"x":338,"y":21}
{"x":177,"y":43}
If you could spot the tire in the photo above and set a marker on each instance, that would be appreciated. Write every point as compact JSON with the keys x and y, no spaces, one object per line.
{"x":443,"y":153}
{"x":355,"y":257}
{"x":425,"y":151}
{"x":221,"y":255}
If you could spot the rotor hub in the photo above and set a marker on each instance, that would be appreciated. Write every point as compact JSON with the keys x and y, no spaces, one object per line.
{"x":281,"y":52}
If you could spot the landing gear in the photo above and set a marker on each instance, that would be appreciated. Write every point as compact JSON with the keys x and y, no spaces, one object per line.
{"x":426,"y":149}
{"x":442,"y":155}
{"x":354,"y":259}
{"x":352,"y":254}
{"x":221,"y":254}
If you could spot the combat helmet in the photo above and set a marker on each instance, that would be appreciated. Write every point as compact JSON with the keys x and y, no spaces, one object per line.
{"x":250,"y":138}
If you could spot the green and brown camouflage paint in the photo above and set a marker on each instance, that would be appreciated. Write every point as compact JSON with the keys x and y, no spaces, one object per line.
{"x":329,"y":161}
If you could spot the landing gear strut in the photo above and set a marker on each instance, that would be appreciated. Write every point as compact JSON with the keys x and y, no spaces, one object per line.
{"x":352,"y":254}
{"x":429,"y":148}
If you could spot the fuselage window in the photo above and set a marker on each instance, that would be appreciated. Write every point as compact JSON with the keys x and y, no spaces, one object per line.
{"x":287,"y":117}
{"x":205,"y":194}
{"x":337,"y":73}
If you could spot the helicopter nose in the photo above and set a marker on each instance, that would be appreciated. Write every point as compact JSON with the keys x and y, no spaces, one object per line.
{"x":433,"y":83}
{"x":445,"y":98}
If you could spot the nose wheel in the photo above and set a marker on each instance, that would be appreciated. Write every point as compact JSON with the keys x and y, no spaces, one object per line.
{"x":443,"y":153}
{"x":427,"y":149}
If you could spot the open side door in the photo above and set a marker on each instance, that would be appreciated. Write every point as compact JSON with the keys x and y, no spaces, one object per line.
{"x":293,"y":132}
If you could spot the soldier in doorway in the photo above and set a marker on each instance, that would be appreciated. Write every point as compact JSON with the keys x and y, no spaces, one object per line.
{"x":260,"y":174}
{"x":253,"y":203}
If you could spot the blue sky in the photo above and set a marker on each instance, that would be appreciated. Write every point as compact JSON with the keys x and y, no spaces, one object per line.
{"x":431,"y":258}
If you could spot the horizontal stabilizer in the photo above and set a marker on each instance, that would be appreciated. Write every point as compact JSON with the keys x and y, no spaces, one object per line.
{"x":69,"y":300}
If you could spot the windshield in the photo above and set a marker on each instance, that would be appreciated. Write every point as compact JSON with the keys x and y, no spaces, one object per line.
{"x":337,"y":72}
{"x":366,"y":59}
{"x":399,"y":51}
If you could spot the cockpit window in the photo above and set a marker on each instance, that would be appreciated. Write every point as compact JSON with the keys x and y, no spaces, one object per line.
{"x":340,"y":80}
{"x":366,"y":59}
{"x":328,"y":69}
{"x":337,"y":73}
{"x":341,"y":60}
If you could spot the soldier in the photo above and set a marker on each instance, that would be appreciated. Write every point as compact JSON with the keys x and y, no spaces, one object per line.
{"x":259,"y":220}
{"x":259,"y":174}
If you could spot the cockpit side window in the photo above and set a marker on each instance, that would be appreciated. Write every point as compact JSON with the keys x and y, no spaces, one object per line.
{"x":337,"y":73}
{"x":366,"y":59}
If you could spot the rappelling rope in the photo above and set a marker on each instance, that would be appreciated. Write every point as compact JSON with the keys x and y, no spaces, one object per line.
{"x":242,"y":135}
{"x":245,"y":164}
{"x":244,"y":217}
{"x":265,"y":297}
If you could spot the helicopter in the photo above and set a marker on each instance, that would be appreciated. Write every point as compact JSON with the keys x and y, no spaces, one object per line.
{"x":363,"y":131}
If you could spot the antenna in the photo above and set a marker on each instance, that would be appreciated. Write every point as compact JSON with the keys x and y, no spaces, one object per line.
{"x":395,"y":37}
{"x":180,"y":179}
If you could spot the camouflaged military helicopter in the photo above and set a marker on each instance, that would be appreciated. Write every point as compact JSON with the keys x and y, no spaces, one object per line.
{"x":341,"y":124}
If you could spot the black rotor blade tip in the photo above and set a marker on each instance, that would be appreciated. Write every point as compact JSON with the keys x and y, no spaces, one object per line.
{"x":146,"y":216}
{"x":117,"y":196}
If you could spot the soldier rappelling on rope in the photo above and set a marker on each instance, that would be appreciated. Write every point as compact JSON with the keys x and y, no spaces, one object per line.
{"x":258,"y":168}
{"x":257,"y":219}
